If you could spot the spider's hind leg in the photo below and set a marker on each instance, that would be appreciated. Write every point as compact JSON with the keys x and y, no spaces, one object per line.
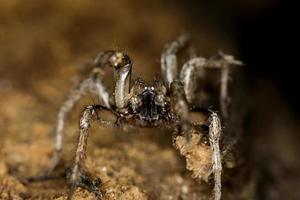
{"x":196,"y":67}
{"x":224,"y":63}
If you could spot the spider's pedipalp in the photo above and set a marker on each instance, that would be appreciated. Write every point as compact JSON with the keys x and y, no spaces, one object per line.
{"x":122,"y":66}
{"x":123,"y":78}
{"x":169,"y":59}
{"x":93,"y":84}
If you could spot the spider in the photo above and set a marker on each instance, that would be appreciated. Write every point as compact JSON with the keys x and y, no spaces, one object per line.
{"x":167,"y":102}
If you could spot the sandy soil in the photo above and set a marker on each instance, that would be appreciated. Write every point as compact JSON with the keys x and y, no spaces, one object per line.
{"x":135,"y":164}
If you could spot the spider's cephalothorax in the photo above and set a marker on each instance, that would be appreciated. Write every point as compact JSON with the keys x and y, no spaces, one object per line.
{"x":148,"y":103}
{"x":168,"y":102}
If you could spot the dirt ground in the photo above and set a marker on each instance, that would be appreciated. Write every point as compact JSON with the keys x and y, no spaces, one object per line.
{"x":43,"y":45}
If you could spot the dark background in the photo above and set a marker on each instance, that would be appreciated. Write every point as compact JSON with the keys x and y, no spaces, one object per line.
{"x":265,"y":32}
{"x":267,"y":41}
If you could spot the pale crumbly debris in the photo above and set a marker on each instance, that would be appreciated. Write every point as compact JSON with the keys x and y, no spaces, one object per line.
{"x":201,"y":159}
{"x":198,"y":157}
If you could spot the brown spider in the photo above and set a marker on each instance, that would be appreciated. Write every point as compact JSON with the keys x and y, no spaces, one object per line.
{"x":165,"y":103}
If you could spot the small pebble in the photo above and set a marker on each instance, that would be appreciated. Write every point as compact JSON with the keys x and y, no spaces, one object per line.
{"x":185,"y":189}
{"x":179,"y":179}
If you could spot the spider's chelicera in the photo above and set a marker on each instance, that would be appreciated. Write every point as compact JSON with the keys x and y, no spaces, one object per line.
{"x":149,"y":106}
{"x":167,"y":102}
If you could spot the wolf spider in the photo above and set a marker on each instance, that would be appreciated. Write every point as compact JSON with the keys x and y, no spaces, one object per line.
{"x":165,"y":103}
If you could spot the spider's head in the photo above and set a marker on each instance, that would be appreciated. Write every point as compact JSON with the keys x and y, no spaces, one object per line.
{"x":149,"y":103}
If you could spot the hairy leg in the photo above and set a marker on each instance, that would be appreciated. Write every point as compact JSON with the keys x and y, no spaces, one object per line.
{"x":77,"y":176}
{"x":191,"y":69}
{"x":195,"y":67}
{"x":215,"y":131}
{"x":169,"y":59}
{"x":226,"y":62}
{"x":180,"y":107}
{"x":214,"y":134}
{"x":122,"y":67}
{"x":90,"y":84}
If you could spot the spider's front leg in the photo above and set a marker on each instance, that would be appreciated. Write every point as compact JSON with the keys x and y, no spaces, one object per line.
{"x":78,"y":177}
{"x":122,"y":68}
{"x":169,"y":59}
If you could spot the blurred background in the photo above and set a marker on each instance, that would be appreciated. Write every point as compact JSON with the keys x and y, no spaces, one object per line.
{"x":43,"y":43}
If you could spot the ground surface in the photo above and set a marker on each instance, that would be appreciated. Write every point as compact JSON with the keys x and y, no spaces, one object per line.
{"x":42,"y":45}
{"x":132,"y":166}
